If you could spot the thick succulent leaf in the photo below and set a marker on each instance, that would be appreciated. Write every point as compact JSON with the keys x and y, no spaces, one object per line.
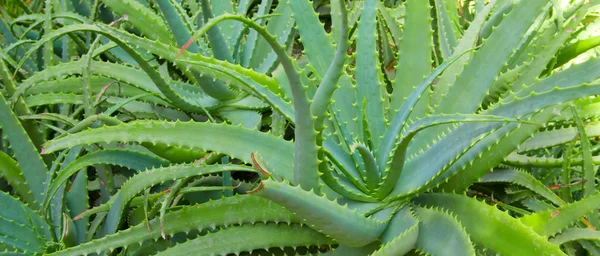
{"x":77,"y":202}
{"x":177,"y":22}
{"x":548,"y":49}
{"x":339,"y":222}
{"x":367,"y":76}
{"x":395,"y":166}
{"x":33,"y":168}
{"x":456,"y":139}
{"x":552,"y":221}
{"x":131,"y":159}
{"x":252,"y":37}
{"x":401,"y":234}
{"x":502,"y":233}
{"x":466,"y":42}
{"x":142,"y":18}
{"x":589,"y":170}
{"x":236,"y":142}
{"x":441,"y":234}
{"x":518,"y":160}
{"x":523,"y":179}
{"x":21,"y":227}
{"x":414,"y":57}
{"x":574,"y":234}
{"x":487,"y":62}
{"x":20,"y":107}
{"x":10,"y":171}
{"x":282,"y":26}
{"x":147,"y":179}
{"x":558,"y":136}
{"x":249,"y":237}
{"x":448,"y":34}
{"x":320,"y":50}
{"x":226,"y":211}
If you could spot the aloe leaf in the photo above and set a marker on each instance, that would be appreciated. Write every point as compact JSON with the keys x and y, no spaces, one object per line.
{"x":263,"y":58}
{"x":589,"y":170}
{"x":208,"y":136}
{"x":518,"y":160}
{"x":142,"y":18}
{"x":523,"y":179}
{"x":21,"y":226}
{"x":156,"y":77}
{"x":177,"y":23}
{"x":502,"y":233}
{"x":129,"y":75}
{"x":487,"y":62}
{"x":367,"y":75}
{"x":574,"y":234}
{"x":77,"y":202}
{"x":401,"y":234}
{"x":467,"y":41}
{"x":236,"y":239}
{"x":226,"y":211}
{"x":252,"y":37}
{"x":33,"y":168}
{"x":306,"y":158}
{"x":395,"y":178}
{"x":317,"y":44}
{"x":441,"y":233}
{"x":414,"y":58}
{"x":20,"y":107}
{"x":575,"y":49}
{"x":130,"y":159}
{"x":322,"y":97}
{"x":536,"y":66}
{"x":344,"y":225}
{"x":219,"y":47}
{"x":155,"y":176}
{"x":319,"y":49}
{"x":552,"y":221}
{"x":558,"y":136}
{"x":518,"y":107}
{"x":448,"y":34}
{"x":392,"y":134}
{"x":10,"y":171}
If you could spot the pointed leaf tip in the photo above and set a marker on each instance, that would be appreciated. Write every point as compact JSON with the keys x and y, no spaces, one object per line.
{"x":260,"y":187}
{"x":184,"y":47}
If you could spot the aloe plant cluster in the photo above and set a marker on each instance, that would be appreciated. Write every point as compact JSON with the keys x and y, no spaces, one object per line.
{"x":180,"y":127}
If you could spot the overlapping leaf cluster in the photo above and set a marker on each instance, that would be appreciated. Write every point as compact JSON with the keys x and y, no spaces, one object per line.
{"x":168,"y":127}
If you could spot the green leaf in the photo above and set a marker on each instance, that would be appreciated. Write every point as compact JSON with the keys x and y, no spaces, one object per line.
{"x":236,"y":142}
{"x":414,"y":57}
{"x":574,"y":234}
{"x":589,"y":170}
{"x":249,"y":237}
{"x":441,"y":234}
{"x":502,"y":233}
{"x":479,"y":74}
{"x":32,"y":166}
{"x":552,"y":221}
{"x":142,"y":18}
{"x":367,"y":76}
{"x":401,"y":234}
{"x":523,"y":179}
{"x":155,"y":176}
{"x":10,"y":171}
{"x":130,"y":159}
{"x":226,"y":211}
{"x":344,"y":225}
{"x":21,"y":227}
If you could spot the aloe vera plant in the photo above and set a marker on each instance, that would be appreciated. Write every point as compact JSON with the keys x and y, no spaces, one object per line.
{"x":396,"y":113}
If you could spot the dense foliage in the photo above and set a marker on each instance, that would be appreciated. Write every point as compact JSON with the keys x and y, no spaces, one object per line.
{"x":182,"y":127}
